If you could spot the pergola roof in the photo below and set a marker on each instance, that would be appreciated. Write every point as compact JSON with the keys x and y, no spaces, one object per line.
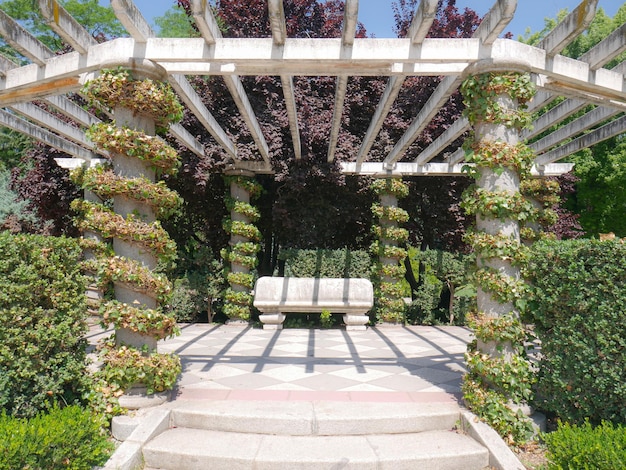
{"x":583,"y":81}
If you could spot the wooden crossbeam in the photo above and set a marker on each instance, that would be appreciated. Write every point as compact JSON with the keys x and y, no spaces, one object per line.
{"x":62,"y":23}
{"x":603,"y":133}
{"x":210,"y":33}
{"x":490,"y":27}
{"x":350,"y":15}
{"x":18,"y":124}
{"x":569,"y":28}
{"x":418,"y":29}
{"x":279,"y":34}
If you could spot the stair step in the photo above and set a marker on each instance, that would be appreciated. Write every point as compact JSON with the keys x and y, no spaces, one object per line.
{"x":302,"y":418}
{"x":199,"y":449}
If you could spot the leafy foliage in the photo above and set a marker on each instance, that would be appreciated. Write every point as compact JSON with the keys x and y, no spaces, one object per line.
{"x":579,"y":309}
{"x":49,"y":190}
{"x":65,"y":438}
{"x":326,"y":263}
{"x":43,"y":311}
{"x":585,"y":447}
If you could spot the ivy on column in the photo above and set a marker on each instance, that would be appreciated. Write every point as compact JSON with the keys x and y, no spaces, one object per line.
{"x":500,"y":377}
{"x":390,"y":270}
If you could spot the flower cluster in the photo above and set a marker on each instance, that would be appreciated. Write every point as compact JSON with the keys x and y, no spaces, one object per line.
{"x":131,"y":229}
{"x":146,"y":321}
{"x":237,"y":299}
{"x":132,"y":143}
{"x":125,"y":366}
{"x":493,"y":382}
{"x":117,"y":88}
{"x":106,"y":184}
{"x":390,"y":269}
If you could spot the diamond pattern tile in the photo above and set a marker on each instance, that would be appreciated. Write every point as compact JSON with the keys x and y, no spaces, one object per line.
{"x":238,"y":360}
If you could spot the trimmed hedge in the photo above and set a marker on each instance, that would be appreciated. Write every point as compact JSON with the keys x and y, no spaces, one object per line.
{"x":42,"y":312}
{"x":69,"y":438}
{"x":586,"y":448}
{"x":578,"y":306}
{"x":326,"y":263}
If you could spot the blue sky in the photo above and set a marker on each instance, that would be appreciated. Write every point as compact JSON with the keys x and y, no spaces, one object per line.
{"x":377,"y":15}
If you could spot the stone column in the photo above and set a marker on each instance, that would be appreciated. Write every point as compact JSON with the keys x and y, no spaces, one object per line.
{"x":243,"y":246}
{"x":390,"y":301}
{"x":504,"y":180}
{"x":131,"y":167}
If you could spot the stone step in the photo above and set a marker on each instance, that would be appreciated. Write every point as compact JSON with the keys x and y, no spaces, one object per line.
{"x":302,"y":418}
{"x":199,"y":449}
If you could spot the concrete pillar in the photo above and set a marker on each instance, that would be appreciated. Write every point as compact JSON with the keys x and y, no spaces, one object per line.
{"x":131,"y":167}
{"x":238,"y":305}
{"x":497,"y":180}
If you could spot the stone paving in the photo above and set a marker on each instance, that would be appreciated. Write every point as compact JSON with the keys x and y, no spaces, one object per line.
{"x":414,"y":363}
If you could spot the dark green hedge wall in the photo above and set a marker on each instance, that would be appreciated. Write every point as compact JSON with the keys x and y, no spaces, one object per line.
{"x":42,"y":313}
{"x":579,"y":311}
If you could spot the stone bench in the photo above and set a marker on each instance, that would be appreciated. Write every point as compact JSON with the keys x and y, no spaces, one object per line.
{"x":275,"y":296}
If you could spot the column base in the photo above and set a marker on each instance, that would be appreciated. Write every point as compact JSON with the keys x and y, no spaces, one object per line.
{"x":272,"y":321}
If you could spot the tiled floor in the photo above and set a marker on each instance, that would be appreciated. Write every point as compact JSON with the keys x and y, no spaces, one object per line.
{"x":417,"y":363}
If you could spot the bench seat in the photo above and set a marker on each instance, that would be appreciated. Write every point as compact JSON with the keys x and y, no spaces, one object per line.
{"x":275,"y":296}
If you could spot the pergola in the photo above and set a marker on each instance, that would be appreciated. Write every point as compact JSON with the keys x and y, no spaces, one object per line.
{"x":582,"y":81}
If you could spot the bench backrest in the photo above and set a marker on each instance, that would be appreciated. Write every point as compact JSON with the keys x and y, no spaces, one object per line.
{"x":314,"y":291}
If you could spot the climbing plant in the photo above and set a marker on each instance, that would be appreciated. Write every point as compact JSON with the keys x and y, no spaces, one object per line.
{"x":125,"y":366}
{"x":245,"y":238}
{"x":496,"y":383}
{"x":389,"y":267}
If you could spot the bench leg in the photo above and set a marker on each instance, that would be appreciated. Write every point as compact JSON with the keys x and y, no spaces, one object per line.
{"x":355,"y":322}
{"x":272,"y":321}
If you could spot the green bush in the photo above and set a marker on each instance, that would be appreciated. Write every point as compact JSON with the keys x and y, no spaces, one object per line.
{"x":68,"y":438}
{"x":42,"y":312}
{"x":578,"y":306}
{"x":443,"y":273}
{"x":326,"y":263}
{"x":584,"y":447}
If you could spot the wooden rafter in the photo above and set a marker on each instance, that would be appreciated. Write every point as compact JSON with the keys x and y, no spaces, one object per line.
{"x":583,"y":81}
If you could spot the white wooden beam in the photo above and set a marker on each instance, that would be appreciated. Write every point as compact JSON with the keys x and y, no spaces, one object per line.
{"x":277,"y":21}
{"x":350,"y":20}
{"x":607,"y":49}
{"x":132,"y":19}
{"x":191,"y":99}
{"x":368,"y":55}
{"x":62,"y":23}
{"x":605,"y":132}
{"x":569,"y":28}
{"x":211,"y":33}
{"x":205,"y":21}
{"x":453,"y":132}
{"x":22,"y":41}
{"x":279,"y":34}
{"x":21,"y":125}
{"x":496,"y":19}
{"x":184,"y":137}
{"x":422,"y":20}
{"x":49,"y":121}
{"x":350,"y":15}
{"x":571,"y":129}
{"x":400,"y":169}
{"x":292,"y":114}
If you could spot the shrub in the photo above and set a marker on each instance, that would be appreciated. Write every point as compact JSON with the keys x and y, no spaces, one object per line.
{"x":42,"y":312}
{"x":443,"y":274}
{"x":586,"y":448}
{"x":578,"y":305}
{"x":326,"y":263}
{"x":68,"y":438}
